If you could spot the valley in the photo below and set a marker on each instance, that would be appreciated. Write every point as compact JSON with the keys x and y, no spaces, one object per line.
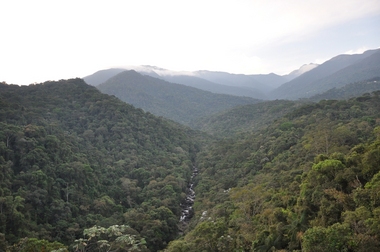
{"x":187,"y":206}
{"x":308,"y":80}
{"x":126,"y":160}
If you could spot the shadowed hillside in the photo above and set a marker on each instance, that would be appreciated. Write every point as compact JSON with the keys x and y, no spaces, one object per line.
{"x":244,"y":119}
{"x":174,"y":101}
{"x":72,"y":157}
{"x":336,"y":72}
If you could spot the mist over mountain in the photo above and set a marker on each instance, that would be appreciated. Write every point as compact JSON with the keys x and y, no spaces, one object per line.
{"x":271,"y":80}
{"x":262,"y":82}
{"x":203,"y":84}
{"x":102,"y":76}
{"x":309,"y":80}
{"x":332,"y":73}
{"x":255,"y":86}
{"x":174,"y":101}
{"x":303,"y":69}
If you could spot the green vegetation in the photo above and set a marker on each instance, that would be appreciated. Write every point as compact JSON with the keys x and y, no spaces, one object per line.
{"x":114,"y":238}
{"x":72,"y":158}
{"x":309,"y":182}
{"x":83,"y":171}
{"x":244,"y":119}
{"x":350,"y":90}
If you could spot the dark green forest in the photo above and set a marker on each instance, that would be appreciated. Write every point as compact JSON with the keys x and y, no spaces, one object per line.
{"x":348,"y":91}
{"x":72,"y":158}
{"x":245,"y":119}
{"x":307,"y":182}
{"x":84,"y":171}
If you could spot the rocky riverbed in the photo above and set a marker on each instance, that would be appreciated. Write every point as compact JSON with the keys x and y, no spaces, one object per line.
{"x":187,"y":206}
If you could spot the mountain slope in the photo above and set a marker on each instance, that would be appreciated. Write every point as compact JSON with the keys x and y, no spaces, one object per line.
{"x":270,"y":81}
{"x":244,"y":119}
{"x":174,"y":101}
{"x":303,"y":69}
{"x":263,"y":83}
{"x":259,"y":84}
{"x":72,"y":157}
{"x":101,"y":76}
{"x":307,"y":182}
{"x":317,"y":80}
{"x":255,"y":86}
{"x":349,"y":90}
{"x":196,"y":82}
{"x":362,"y":70}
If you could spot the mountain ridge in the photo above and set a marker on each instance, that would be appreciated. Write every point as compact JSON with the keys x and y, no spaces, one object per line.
{"x":303,"y":69}
{"x":309,"y":83}
{"x":177,"y":102}
{"x":310,"y":79}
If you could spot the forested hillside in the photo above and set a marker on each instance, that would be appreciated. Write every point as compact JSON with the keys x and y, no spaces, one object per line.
{"x":349,"y":90}
{"x":336,"y":72}
{"x":245,"y":119}
{"x":84,"y":171}
{"x":308,"y":182}
{"x":177,"y":102}
{"x":72,"y":158}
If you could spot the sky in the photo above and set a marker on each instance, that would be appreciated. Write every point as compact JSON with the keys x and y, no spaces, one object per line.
{"x":50,"y":40}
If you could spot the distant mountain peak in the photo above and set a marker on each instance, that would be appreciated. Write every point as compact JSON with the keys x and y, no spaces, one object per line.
{"x":303,"y":69}
{"x":336,"y":72}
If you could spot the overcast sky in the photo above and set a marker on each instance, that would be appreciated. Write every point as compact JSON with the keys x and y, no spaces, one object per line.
{"x":51,"y":40}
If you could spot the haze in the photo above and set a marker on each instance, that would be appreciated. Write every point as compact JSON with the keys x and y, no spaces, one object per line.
{"x":51,"y":40}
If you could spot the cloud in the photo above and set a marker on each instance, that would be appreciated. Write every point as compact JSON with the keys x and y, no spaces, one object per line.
{"x":357,"y":51}
{"x":67,"y":37}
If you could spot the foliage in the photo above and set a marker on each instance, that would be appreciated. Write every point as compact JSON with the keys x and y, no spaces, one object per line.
{"x":74,"y":161}
{"x":113,"y":238}
{"x":243,"y":119}
{"x":332,"y":238}
{"x":350,"y":90}
{"x":308,"y":182}
{"x":35,"y":245}
{"x":72,"y":158}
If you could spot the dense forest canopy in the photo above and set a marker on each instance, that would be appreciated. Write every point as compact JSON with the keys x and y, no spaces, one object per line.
{"x":84,"y":171}
{"x":308,"y":182}
{"x":72,"y":158}
{"x":245,"y":119}
{"x":348,"y":91}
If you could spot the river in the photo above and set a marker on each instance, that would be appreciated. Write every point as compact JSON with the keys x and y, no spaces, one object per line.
{"x":187,"y":210}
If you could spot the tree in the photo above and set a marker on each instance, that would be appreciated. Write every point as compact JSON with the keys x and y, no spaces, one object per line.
{"x":36,"y":245}
{"x":114,"y":238}
{"x":208,"y":234}
{"x":328,"y":169}
{"x":332,"y":238}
